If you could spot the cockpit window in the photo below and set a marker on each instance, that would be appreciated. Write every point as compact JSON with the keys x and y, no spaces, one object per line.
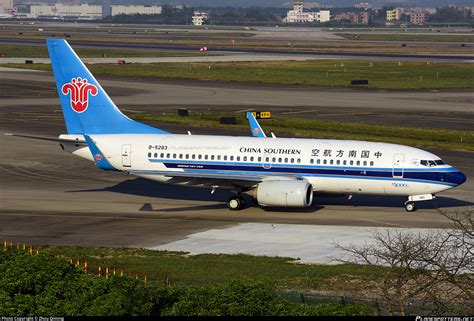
{"x":431,"y":163}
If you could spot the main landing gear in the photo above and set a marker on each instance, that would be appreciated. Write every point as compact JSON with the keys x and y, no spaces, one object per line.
{"x":236,"y":202}
{"x":410,"y":205}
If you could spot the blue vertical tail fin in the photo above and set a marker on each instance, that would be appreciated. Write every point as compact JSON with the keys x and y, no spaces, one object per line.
{"x":255,"y":127}
{"x":86,"y":106}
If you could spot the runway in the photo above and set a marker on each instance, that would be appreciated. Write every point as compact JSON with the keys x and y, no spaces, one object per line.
{"x":51,"y":197}
{"x":357,"y":53}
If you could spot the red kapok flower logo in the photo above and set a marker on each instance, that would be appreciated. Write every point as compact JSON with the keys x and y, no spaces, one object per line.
{"x":79,"y":89}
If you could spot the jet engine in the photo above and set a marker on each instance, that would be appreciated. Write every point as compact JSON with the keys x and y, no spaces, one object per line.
{"x":285,"y":193}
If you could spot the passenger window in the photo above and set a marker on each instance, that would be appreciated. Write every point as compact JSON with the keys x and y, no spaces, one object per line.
{"x":299,"y":160}
{"x":344,"y":162}
{"x":156,"y":155}
{"x":199,"y":156}
{"x":187,"y":156}
{"x":372,"y":163}
{"x":279,"y":160}
{"x":231,"y":158}
{"x":311,"y":161}
{"x":212,"y":157}
{"x":251,"y":158}
{"x":365,"y":163}
{"x":286,"y":160}
{"x":358,"y":163}
{"x":238,"y":158}
{"x":168,"y":155}
{"x":331,"y":162}
{"x":338,"y":162}
{"x":180,"y":156}
{"x":292,"y":160}
{"x":259,"y":159}
{"x":318,"y":161}
{"x":218,"y":157}
{"x":225,"y":157}
{"x":162,"y":155}
{"x":174,"y":155}
{"x":193,"y":156}
{"x":274,"y":159}
{"x":352,"y":162}
{"x":325,"y":161}
{"x":206,"y":156}
{"x":149,"y":154}
{"x":245,"y":158}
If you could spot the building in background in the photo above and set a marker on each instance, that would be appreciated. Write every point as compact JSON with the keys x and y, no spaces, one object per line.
{"x":88,"y":12}
{"x":134,"y":9}
{"x":393,"y":15}
{"x":298,"y":15}
{"x":63,"y":11}
{"x":362,"y":5}
{"x":365,"y":18}
{"x":418,"y":17}
{"x":200,"y":18}
{"x":6,"y":6}
{"x":351,"y":17}
{"x":106,"y":8}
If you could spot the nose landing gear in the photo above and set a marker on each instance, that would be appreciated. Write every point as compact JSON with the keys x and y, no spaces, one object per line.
{"x":410,"y":205}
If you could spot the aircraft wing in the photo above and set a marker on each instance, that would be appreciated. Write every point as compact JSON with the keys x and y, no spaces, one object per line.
{"x":221,"y":175}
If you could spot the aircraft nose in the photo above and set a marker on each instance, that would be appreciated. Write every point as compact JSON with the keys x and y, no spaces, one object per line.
{"x":457,"y":178}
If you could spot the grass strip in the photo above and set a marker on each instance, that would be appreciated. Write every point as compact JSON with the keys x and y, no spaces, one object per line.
{"x":327,"y":73}
{"x":314,"y":128}
{"x":42,"y":52}
{"x":407,"y":37}
{"x":209,"y":269}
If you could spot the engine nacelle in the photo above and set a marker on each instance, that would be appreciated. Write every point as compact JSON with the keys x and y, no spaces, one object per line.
{"x":288,"y":193}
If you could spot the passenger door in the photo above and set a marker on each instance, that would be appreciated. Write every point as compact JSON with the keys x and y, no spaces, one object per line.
{"x":398,"y":165}
{"x":127,"y":155}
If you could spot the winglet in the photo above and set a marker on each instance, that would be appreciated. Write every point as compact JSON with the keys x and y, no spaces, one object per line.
{"x":99,"y":158}
{"x":255,"y":127}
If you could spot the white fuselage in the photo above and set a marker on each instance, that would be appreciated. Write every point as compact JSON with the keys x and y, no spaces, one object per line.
{"x":331,"y":166}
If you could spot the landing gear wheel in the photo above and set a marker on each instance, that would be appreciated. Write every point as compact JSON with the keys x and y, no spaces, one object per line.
{"x":235,"y":203}
{"x":410,"y":207}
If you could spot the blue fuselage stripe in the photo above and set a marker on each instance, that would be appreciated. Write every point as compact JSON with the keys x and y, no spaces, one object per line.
{"x":423,"y":176}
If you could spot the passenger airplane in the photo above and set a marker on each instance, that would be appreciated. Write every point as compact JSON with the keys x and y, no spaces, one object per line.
{"x":276,"y":172}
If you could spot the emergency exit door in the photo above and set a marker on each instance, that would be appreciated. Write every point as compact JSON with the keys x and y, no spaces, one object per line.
{"x":127,"y":155}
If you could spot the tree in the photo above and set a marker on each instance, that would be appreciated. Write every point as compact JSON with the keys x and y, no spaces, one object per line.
{"x":451,"y":13}
{"x":434,"y":268}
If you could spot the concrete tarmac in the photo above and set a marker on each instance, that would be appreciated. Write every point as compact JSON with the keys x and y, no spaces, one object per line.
{"x":49,"y":196}
{"x":428,"y":108}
